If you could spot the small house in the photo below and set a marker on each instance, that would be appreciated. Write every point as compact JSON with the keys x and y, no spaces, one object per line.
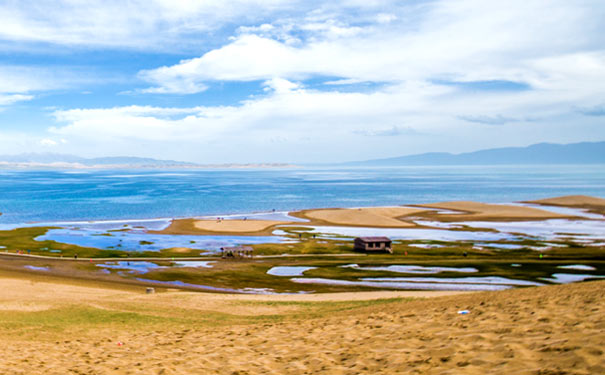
{"x":373,"y":244}
{"x":237,"y":252}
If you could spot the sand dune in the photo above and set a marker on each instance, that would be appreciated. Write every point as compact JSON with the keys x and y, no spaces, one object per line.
{"x":546,"y":330}
{"x":471,"y":211}
{"x":232,"y":226}
{"x":367,"y":216}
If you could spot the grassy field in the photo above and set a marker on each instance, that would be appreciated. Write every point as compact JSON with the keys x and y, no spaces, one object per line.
{"x":326,"y":255}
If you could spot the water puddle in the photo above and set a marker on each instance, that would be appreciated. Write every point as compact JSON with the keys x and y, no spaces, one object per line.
{"x":34,"y":268}
{"x":554,"y":229}
{"x":144,"y":267}
{"x":412,"y":234}
{"x":134,"y":241}
{"x":570,"y":211}
{"x":426,"y":245}
{"x":138,"y":266}
{"x":403,"y":285}
{"x":566,"y":278}
{"x":214,"y":289}
{"x":412,"y":269}
{"x":505,"y":246}
{"x":193,"y":263}
{"x":580,"y":267}
{"x":489,"y":280}
{"x":289,"y":270}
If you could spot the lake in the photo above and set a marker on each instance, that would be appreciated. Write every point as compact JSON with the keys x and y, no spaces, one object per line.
{"x":79,"y":195}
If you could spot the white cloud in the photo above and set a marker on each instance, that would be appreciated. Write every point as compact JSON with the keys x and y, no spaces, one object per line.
{"x":383,"y":62}
{"x":12,"y":99}
{"x":310,"y":125}
{"x":22,"y":83}
{"x":149,"y":24}
{"x":464,"y":41}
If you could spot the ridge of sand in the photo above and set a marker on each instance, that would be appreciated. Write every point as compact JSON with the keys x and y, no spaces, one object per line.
{"x":238,"y":226}
{"x":386,"y":217}
{"x":571,"y":201}
{"x":477,"y":211}
{"x":222,"y":227}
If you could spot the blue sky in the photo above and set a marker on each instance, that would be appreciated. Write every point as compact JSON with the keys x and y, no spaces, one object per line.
{"x":298,"y":81}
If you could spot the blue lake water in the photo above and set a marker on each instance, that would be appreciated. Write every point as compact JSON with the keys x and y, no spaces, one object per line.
{"x":133,"y":241}
{"x":49,"y":196}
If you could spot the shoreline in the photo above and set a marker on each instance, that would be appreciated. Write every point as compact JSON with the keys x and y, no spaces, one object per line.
{"x":588,"y":203}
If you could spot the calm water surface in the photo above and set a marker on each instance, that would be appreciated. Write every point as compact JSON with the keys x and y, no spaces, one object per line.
{"x":31,"y":196}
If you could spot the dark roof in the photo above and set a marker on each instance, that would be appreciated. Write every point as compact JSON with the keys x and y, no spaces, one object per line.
{"x":374,"y":239}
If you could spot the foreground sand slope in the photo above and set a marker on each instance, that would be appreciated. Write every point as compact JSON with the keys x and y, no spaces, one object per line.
{"x":547,"y":330}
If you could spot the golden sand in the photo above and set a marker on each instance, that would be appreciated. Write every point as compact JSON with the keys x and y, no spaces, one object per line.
{"x":389,"y":217}
{"x":367,"y":216}
{"x":532,"y":331}
{"x":224,"y":227}
{"x":572,"y":201}
{"x":470,"y":211}
{"x":235,"y":226}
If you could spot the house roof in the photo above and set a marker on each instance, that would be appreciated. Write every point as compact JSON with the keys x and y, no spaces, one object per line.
{"x":374,"y":239}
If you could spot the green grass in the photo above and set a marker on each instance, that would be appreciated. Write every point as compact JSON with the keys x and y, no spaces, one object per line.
{"x":116,"y":316}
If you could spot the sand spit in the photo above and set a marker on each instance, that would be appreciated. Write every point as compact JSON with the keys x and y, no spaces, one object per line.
{"x":531,"y":331}
{"x":476,"y":211}
{"x":235,"y":226}
{"x":383,"y":217}
{"x":222,"y":227}
{"x":389,"y":217}
{"x":592,"y":204}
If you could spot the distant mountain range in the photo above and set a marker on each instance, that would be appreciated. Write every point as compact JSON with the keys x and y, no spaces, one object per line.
{"x":63,"y":161}
{"x":541,"y":153}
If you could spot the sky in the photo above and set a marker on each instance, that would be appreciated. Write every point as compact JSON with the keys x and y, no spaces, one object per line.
{"x":248,"y":81}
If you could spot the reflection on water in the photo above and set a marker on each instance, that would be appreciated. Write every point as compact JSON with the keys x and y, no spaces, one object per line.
{"x":193,"y":263}
{"x":215,"y":289}
{"x":402,"y":284}
{"x":490,"y":280}
{"x":289,"y":270}
{"x":566,"y":278}
{"x":580,"y":267}
{"x":413,"y":234}
{"x":140,"y":241}
{"x":554,"y":229}
{"x":138,"y":266}
{"x":412,"y":269}
{"x":34,"y":268}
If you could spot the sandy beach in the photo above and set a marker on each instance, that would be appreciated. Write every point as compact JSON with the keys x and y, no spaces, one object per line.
{"x":59,"y":328}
